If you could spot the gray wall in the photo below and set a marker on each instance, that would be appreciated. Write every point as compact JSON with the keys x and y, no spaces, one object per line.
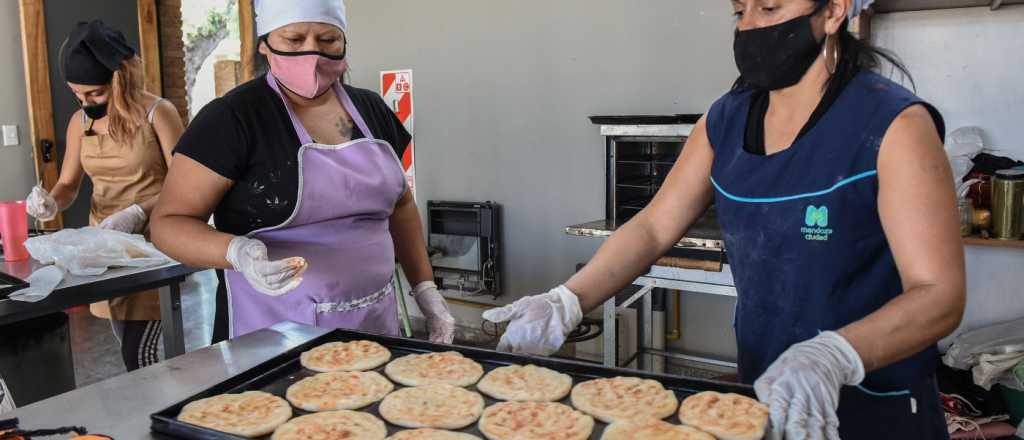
{"x":61,"y":18}
{"x":17,"y":172}
{"x":968,"y":63}
{"x":504,"y":88}
{"x":502,"y":94}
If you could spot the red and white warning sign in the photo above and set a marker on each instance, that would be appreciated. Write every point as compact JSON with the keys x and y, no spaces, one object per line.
{"x":396,"y":88}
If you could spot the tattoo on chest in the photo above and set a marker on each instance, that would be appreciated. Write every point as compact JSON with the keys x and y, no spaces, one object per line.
{"x":344,"y":126}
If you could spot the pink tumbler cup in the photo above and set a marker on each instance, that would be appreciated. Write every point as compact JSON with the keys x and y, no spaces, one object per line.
{"x":14,"y":230}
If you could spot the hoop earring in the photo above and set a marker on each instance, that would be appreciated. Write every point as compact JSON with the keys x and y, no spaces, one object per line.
{"x":832,"y":65}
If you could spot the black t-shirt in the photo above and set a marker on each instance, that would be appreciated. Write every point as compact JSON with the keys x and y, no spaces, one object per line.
{"x":247,"y":136}
{"x":759,"y":101}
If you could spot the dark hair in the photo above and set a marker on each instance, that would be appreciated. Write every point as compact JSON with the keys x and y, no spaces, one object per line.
{"x":855,"y":55}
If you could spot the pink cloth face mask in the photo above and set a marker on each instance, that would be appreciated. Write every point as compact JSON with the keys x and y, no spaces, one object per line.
{"x":307,"y":74}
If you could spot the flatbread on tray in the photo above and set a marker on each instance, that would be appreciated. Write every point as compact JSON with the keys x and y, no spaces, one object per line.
{"x":534,"y":421}
{"x":249,"y":414}
{"x":339,"y":390}
{"x":431,"y":434}
{"x":432,"y":406}
{"x":726,"y":416}
{"x":652,"y":429}
{"x":624,"y":398}
{"x":448,"y":367}
{"x":333,"y":425}
{"x":525,"y":383}
{"x":345,"y":356}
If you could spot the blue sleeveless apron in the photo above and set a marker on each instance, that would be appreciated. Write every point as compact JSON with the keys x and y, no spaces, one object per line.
{"x":808,"y":251}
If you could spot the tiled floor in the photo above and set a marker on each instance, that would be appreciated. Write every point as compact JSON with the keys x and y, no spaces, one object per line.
{"x":96,"y":352}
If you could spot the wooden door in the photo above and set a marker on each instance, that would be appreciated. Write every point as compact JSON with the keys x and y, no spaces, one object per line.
{"x":50,"y":103}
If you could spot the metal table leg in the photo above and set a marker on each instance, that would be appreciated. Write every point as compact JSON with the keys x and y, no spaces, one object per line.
{"x":170,"y":314}
{"x":645,"y":331}
{"x":609,"y":344}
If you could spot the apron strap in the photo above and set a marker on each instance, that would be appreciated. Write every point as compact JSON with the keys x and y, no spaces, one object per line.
{"x":346,"y":102}
{"x":350,"y":107}
{"x":304,"y":137}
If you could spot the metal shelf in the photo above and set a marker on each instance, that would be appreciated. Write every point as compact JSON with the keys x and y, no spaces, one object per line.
{"x":883,"y":6}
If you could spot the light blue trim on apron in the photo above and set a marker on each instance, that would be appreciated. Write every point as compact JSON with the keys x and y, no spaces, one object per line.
{"x":886,"y":394}
{"x":838,"y":185}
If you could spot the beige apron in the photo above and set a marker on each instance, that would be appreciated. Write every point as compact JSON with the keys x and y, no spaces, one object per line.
{"x":124,"y":174}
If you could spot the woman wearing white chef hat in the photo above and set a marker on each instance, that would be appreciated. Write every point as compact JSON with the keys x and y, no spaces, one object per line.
{"x":839,"y":216}
{"x":302,"y":173}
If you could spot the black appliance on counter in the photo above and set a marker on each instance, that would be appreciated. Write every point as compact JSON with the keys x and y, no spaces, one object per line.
{"x":639,"y":154}
{"x":464,"y":242}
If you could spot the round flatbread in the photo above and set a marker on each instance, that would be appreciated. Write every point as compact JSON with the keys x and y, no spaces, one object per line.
{"x":726,"y":416}
{"x":652,"y":429}
{"x":432,"y":406}
{"x":339,"y":390}
{"x":525,"y":383}
{"x":345,"y":356}
{"x":333,"y":425}
{"x":431,"y":368}
{"x":432,"y":434}
{"x":535,"y":421}
{"x":249,"y":414}
{"x":624,"y":398}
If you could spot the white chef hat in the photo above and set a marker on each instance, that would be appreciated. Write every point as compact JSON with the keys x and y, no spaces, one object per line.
{"x":273,"y":14}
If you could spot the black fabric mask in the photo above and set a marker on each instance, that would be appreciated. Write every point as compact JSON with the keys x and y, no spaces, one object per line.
{"x":776,"y":57}
{"x":95,"y":111}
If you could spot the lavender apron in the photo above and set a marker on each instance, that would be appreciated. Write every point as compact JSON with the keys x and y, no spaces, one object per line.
{"x":340,"y":224}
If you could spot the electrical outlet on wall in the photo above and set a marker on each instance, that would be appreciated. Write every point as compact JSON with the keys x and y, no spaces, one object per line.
{"x":11,"y":135}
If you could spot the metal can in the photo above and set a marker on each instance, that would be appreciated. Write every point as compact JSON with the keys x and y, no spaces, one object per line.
{"x":1007,"y":204}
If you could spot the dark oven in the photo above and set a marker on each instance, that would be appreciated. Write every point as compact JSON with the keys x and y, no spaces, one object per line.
{"x":639,"y":154}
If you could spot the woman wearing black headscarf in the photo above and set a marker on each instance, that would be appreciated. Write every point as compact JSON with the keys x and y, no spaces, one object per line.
{"x":122,"y":138}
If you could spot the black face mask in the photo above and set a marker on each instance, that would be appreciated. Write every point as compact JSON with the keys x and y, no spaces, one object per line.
{"x":776,"y":57}
{"x":96,"y":111}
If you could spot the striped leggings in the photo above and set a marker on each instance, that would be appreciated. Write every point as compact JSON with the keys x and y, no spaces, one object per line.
{"x":140,"y":342}
{"x":6,"y":400}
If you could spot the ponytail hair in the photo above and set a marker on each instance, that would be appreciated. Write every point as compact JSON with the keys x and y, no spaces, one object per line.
{"x":126,"y":112}
{"x":856,"y":55}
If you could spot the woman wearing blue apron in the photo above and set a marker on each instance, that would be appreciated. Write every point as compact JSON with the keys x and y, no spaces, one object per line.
{"x":836,"y":203}
{"x":310,"y":201}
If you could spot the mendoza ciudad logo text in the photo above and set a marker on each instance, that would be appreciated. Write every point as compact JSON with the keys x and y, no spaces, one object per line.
{"x":816,"y":220}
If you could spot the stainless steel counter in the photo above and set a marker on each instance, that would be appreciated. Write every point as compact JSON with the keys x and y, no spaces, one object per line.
{"x":120,"y":407}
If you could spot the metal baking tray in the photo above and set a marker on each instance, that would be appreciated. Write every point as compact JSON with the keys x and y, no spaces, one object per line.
{"x":277,"y":374}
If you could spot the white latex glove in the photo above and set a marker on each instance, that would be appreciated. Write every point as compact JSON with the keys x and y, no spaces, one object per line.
{"x":40,"y":204}
{"x":538,"y":324}
{"x":274,"y":278}
{"x":41,"y":284}
{"x":440,"y":323}
{"x":130,"y":220}
{"x":801,"y":388}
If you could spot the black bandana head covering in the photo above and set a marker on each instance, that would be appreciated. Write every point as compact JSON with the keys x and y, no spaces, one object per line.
{"x":93,"y":52}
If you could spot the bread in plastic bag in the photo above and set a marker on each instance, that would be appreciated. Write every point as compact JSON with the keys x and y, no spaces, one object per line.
{"x":92,"y":251}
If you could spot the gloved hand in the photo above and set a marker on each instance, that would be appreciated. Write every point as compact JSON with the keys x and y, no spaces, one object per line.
{"x":538,"y":324}
{"x":440,"y":323}
{"x":130,"y":220}
{"x":801,"y":388}
{"x":274,"y":278}
{"x":41,"y":205}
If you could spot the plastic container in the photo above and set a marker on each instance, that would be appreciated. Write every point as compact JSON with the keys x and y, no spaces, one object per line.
{"x":14,"y":230}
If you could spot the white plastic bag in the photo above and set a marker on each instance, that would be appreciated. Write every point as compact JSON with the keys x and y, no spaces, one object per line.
{"x":967,"y":348}
{"x":92,"y":251}
{"x":961,"y":146}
